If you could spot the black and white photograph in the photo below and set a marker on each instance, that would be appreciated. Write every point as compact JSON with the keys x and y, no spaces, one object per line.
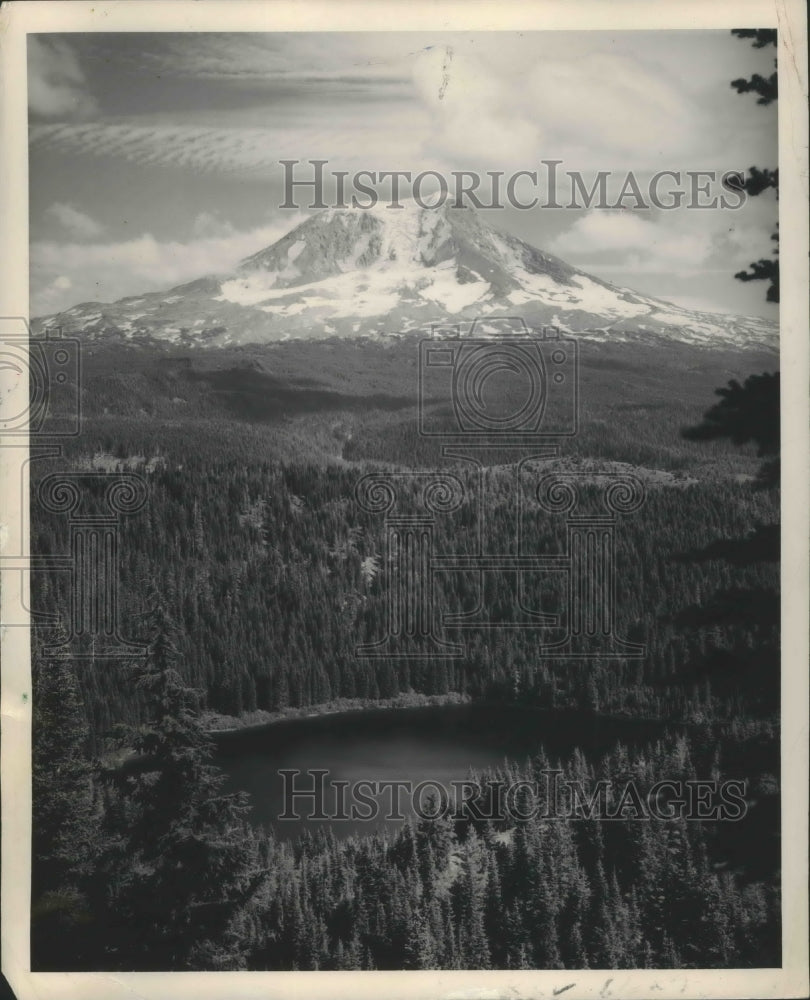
{"x":397,"y":575}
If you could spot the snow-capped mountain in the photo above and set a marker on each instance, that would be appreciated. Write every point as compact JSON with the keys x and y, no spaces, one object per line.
{"x":385,"y":272}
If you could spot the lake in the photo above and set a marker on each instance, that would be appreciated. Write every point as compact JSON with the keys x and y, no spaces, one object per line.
{"x":435,"y":743}
{"x":443,"y":743}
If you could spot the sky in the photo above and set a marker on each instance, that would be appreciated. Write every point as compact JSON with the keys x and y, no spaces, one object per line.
{"x":154,"y":158}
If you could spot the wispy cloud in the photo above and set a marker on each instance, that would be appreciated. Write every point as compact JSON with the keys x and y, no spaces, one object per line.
{"x":56,"y":83}
{"x":229,"y":107}
{"x":486,"y":101}
{"x":298,"y":56}
{"x":356,"y":139}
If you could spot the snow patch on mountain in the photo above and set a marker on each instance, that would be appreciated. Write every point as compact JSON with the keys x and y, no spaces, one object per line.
{"x":385,"y":272}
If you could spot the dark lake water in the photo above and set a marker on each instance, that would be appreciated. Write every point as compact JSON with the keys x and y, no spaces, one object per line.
{"x":436,"y":743}
{"x":443,"y":744}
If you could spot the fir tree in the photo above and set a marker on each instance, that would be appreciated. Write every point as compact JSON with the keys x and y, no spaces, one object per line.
{"x":193,"y":864}
{"x":65,"y":841}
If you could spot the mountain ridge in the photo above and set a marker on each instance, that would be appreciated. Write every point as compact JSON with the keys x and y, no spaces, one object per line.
{"x":385,"y":273}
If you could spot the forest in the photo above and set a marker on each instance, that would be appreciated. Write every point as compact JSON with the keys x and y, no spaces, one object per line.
{"x":251,"y":575}
{"x":282,"y":566}
{"x":159,"y":869}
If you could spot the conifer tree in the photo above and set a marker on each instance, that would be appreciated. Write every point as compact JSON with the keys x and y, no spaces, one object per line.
{"x":65,"y":842}
{"x":757,"y":181}
{"x":193,"y":865}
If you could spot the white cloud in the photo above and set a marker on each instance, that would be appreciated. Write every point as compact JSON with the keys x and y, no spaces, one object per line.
{"x":76,"y":222}
{"x":56,"y":83}
{"x":628,"y":240}
{"x":625,"y":100}
{"x":51,"y":293}
{"x":497,"y":105}
{"x":613,"y":105}
{"x":593,"y":109}
{"x":209,"y":225}
{"x":472,"y":112}
{"x":695,"y":253}
{"x":109,"y":271}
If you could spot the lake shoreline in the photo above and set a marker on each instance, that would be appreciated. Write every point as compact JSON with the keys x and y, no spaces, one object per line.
{"x":222,"y":728}
{"x":261,"y":719}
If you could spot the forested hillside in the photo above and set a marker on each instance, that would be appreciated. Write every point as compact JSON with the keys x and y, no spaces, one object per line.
{"x":252,"y":574}
{"x":274,"y":576}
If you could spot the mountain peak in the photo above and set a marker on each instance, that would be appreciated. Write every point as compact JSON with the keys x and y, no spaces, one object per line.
{"x":337,"y":240}
{"x":385,"y":271}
